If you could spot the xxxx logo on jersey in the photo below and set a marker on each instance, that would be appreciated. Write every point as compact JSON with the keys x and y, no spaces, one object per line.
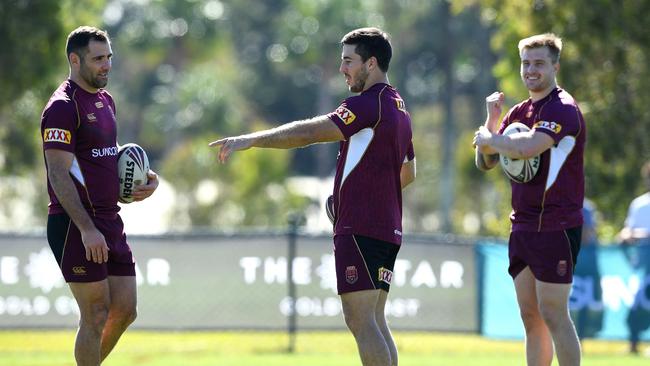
{"x":400,"y":104}
{"x":551,"y":126}
{"x":345,"y":115}
{"x":56,"y":135}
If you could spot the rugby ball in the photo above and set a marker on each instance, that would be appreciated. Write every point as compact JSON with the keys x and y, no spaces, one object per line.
{"x":132,"y":168}
{"x":329,"y":208}
{"x":519,"y":170}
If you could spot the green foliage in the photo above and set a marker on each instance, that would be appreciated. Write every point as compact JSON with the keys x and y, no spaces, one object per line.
{"x":27,"y":45}
{"x":24,"y":64}
{"x":190,"y":71}
{"x":250,"y":190}
{"x":32,"y":63}
{"x":420,"y":199}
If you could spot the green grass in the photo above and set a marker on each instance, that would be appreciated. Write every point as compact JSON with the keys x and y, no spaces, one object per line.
{"x":54,"y":348}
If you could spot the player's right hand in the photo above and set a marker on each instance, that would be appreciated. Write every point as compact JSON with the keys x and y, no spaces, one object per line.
{"x":95,"y":244}
{"x":229,"y":145}
{"x":494,"y":104}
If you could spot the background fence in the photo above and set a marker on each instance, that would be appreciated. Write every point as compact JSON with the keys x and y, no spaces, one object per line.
{"x":440,"y":283}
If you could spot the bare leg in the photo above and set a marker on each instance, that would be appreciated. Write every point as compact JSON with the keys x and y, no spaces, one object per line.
{"x":93,"y":299}
{"x":553,"y":304}
{"x":359,"y":309}
{"x":122,"y":311}
{"x":380,"y":317}
{"x":539,"y":345}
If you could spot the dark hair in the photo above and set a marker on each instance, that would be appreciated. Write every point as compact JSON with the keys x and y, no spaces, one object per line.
{"x":79,"y":38}
{"x":371,"y":42}
{"x":549,"y":40}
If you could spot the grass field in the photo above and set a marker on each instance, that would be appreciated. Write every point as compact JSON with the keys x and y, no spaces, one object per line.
{"x":143,"y":348}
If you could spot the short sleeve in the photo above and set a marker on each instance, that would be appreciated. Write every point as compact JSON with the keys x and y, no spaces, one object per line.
{"x":59,"y":126}
{"x":559,"y":122}
{"x":355,"y":114}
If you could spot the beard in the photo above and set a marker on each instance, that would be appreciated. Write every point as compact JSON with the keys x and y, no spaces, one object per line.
{"x":360,"y":83}
{"x":91,"y":79}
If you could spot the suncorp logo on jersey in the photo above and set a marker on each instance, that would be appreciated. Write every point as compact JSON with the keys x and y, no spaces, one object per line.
{"x":105,"y":151}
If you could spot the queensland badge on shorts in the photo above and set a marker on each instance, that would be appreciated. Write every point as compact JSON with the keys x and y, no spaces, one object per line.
{"x":351,"y":274}
{"x":561,"y":268}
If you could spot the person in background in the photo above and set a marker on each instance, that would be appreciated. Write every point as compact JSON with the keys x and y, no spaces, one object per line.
{"x":589,"y":318}
{"x":635,"y":238}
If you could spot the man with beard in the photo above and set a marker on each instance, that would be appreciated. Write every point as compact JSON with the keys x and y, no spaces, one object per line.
{"x":547,"y":210}
{"x":84,"y":229}
{"x":376,"y":161}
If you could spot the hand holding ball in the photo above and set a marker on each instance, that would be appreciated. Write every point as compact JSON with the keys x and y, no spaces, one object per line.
{"x":132,"y":166}
{"x":519,"y":170}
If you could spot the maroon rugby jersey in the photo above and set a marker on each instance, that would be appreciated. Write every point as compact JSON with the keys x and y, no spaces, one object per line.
{"x":367,"y":187}
{"x":84,"y":124}
{"x":552,"y":200}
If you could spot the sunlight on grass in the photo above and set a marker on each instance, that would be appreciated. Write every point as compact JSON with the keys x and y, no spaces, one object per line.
{"x":149,"y":348}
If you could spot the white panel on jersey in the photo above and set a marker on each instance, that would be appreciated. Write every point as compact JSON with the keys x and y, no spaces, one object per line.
{"x":75,"y":170}
{"x":559,"y":155}
{"x":359,"y":142}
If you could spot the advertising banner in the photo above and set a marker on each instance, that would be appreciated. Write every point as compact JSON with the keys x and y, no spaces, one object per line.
{"x":240,"y":282}
{"x":610,"y":298}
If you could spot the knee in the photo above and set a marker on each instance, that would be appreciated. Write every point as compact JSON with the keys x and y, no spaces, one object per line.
{"x":125,"y":316}
{"x":132,"y":315}
{"x":530,"y":316}
{"x":95,"y":317}
{"x":553,"y":314}
{"x":356,"y":322}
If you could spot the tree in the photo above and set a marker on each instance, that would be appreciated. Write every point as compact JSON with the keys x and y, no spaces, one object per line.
{"x":32,"y":64}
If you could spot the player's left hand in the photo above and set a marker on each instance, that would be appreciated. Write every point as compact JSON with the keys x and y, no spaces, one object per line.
{"x":231,"y":144}
{"x":482,"y":137}
{"x":145,"y":190}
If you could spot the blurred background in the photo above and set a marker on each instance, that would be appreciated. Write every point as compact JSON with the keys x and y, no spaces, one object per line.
{"x":186,"y":72}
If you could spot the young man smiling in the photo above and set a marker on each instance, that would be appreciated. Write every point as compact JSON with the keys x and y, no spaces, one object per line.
{"x":547,"y":211}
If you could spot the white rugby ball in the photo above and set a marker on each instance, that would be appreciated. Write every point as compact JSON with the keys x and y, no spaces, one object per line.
{"x":132,"y":168}
{"x":519,"y":170}
{"x":329,"y":209}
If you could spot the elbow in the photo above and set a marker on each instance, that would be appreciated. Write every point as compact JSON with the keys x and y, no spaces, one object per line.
{"x":410,"y":180}
{"x":54,"y":176}
{"x":407,"y":179}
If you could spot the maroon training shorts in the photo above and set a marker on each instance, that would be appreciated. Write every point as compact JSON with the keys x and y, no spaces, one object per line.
{"x":551,"y":255}
{"x":65,"y":241}
{"x":363,"y":263}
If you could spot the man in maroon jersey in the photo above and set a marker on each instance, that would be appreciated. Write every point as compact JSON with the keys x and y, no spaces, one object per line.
{"x":547,"y":211}
{"x":376,"y":160}
{"x":84,"y":229}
